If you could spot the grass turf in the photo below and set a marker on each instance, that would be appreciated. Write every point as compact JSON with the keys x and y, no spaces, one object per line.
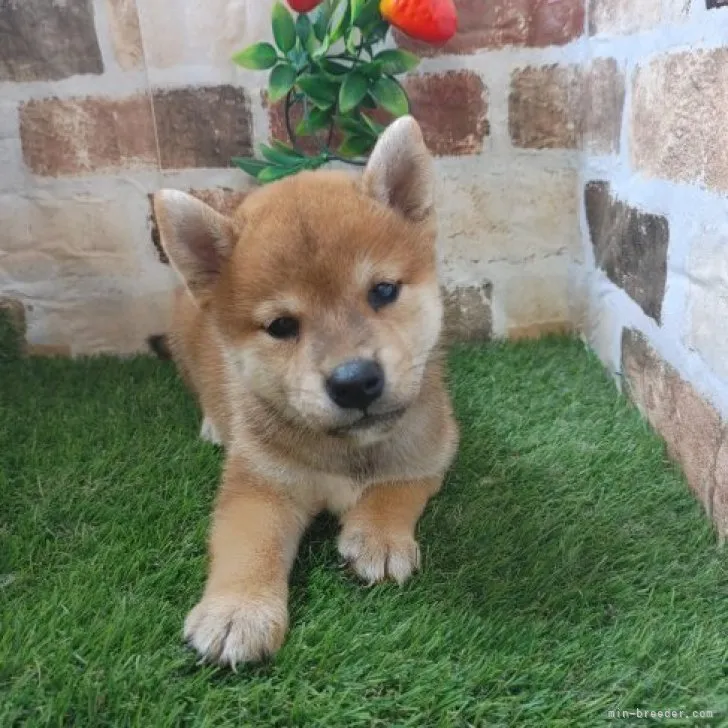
{"x":567,"y":570}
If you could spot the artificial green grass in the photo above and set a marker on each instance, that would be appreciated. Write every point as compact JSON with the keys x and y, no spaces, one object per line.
{"x":567,"y":570}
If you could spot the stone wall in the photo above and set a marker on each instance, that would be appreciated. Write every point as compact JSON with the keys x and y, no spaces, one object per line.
{"x":104,"y":101}
{"x":654,"y":219}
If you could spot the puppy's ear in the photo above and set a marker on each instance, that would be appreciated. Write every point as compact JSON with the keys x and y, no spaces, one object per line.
{"x":400,"y":170}
{"x":197,"y":239}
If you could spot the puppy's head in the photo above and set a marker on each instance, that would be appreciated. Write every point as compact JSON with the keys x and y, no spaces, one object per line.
{"x":323,"y":287}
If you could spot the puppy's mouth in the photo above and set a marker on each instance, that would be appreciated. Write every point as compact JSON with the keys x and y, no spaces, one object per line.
{"x":369,"y":420}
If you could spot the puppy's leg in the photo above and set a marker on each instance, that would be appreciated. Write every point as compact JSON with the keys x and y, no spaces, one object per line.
{"x":243,"y":613}
{"x":209,"y":433}
{"x":378,"y":533}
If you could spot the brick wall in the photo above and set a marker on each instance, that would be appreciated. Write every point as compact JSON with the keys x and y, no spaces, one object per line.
{"x":104,"y":101}
{"x":654,"y":218}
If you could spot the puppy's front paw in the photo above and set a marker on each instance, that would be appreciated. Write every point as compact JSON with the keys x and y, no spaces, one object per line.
{"x":378,"y":555}
{"x":229,"y":629}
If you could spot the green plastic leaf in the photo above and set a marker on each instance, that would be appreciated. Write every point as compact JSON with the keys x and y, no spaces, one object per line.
{"x":280,"y":154}
{"x":333,"y":68}
{"x":339,"y":22}
{"x":253,"y":167}
{"x":375,"y":31}
{"x":356,"y":146}
{"x":303,"y":28}
{"x":321,"y":19}
{"x":284,"y":29}
{"x":351,"y":125}
{"x":257,"y":57}
{"x":352,"y":91}
{"x":356,"y":9}
{"x":281,"y":81}
{"x":316,"y":120}
{"x":375,"y":127}
{"x":353,"y":38}
{"x":321,"y":91}
{"x":271,"y":174}
{"x":286,"y":149}
{"x":396,"y":61}
{"x":368,"y":14}
{"x":315,"y":162}
{"x":390,"y":96}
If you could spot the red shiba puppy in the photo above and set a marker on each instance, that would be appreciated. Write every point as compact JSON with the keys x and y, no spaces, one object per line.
{"x":308,"y":328}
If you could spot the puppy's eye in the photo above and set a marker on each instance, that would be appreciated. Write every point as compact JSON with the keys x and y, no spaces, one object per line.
{"x":383,"y":294}
{"x":284,"y":327}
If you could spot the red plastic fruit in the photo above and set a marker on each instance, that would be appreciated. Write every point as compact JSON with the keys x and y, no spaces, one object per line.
{"x":303,"y":6}
{"x":432,"y":21}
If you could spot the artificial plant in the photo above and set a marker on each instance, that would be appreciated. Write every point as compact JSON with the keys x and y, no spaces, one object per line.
{"x":334,"y":79}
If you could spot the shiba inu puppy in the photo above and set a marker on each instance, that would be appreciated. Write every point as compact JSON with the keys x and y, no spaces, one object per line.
{"x":308,"y":329}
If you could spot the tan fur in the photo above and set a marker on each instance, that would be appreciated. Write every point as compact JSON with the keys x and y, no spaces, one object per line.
{"x":310,"y":247}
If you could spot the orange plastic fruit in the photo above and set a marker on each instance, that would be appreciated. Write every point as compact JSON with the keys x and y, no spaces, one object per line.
{"x":431,"y":21}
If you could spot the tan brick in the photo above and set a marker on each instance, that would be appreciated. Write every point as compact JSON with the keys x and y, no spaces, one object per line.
{"x":47,"y":41}
{"x":632,"y":16}
{"x":497,"y":23}
{"x":678,"y":123}
{"x":125,"y":33}
{"x":544,"y":107}
{"x":81,"y":136}
{"x":691,"y":427}
{"x":468,"y":314}
{"x":567,"y":107}
{"x":202,"y":127}
{"x":603,"y":106}
{"x":452,"y":110}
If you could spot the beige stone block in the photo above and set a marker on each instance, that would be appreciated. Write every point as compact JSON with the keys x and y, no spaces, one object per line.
{"x":203,"y":32}
{"x":118,"y":323}
{"x":511,"y":213}
{"x":534,"y":296}
{"x":125,"y":33}
{"x":708,"y":300}
{"x":678,"y":122}
{"x":47,"y":239}
{"x":632,"y":16}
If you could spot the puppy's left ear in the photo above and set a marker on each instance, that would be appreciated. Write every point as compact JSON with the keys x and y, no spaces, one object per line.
{"x":400,"y":171}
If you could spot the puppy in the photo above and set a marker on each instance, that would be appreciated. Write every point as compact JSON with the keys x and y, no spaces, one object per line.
{"x":308,"y":329}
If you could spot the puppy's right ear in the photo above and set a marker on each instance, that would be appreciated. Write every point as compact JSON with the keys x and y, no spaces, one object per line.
{"x":197,"y":239}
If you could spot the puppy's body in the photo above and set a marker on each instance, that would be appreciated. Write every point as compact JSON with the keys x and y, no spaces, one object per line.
{"x":282,"y":303}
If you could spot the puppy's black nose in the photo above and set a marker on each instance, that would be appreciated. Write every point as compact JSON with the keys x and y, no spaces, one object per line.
{"x":356,"y":383}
